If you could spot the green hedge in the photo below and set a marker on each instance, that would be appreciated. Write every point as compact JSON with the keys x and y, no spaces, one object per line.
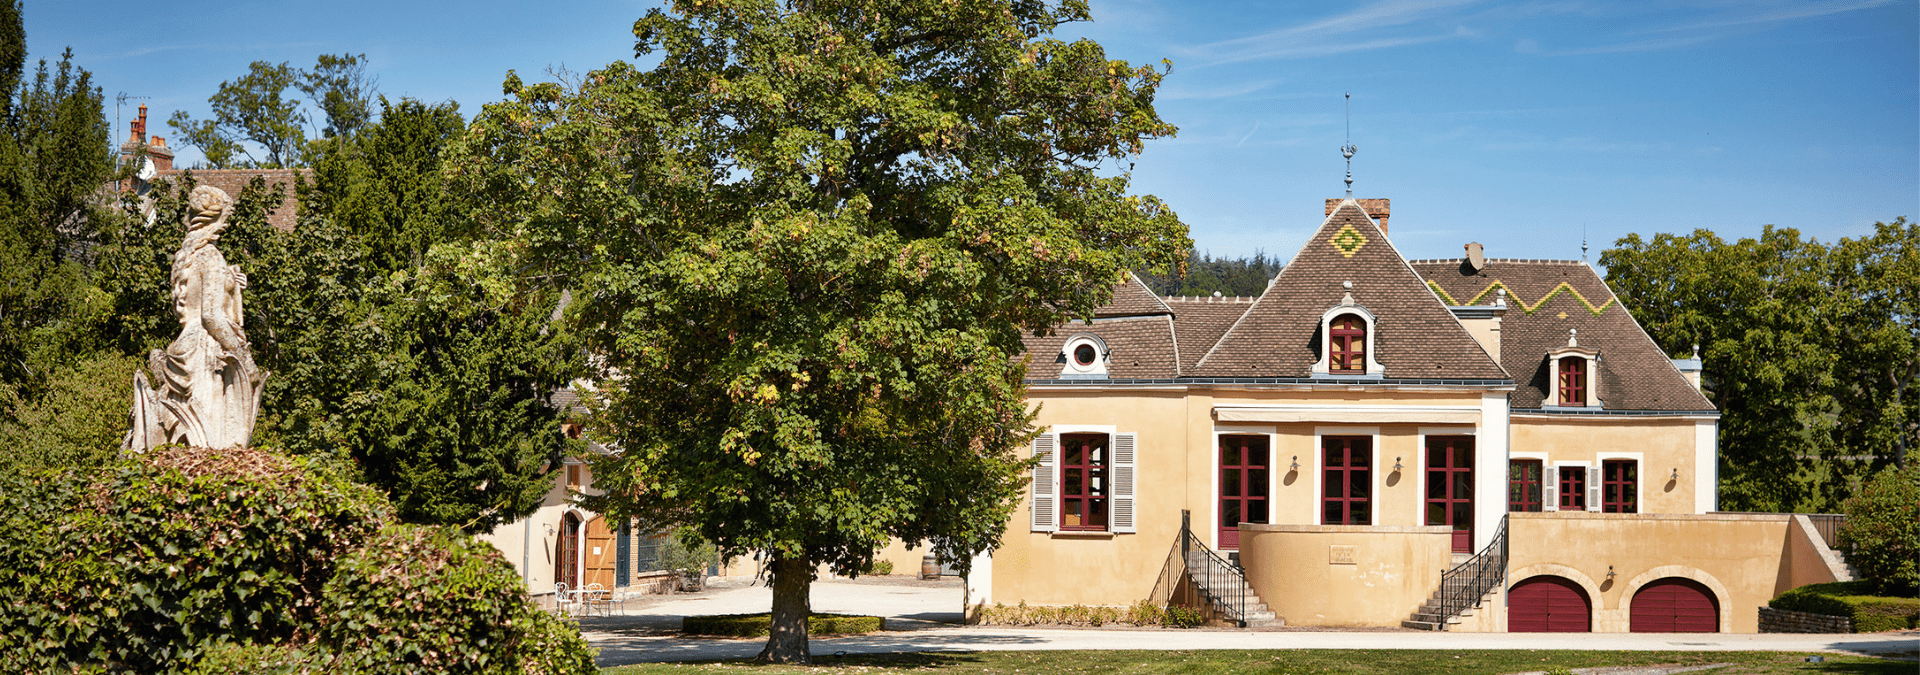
{"x":198,"y":561}
{"x":758,"y":625}
{"x":1870,"y":613}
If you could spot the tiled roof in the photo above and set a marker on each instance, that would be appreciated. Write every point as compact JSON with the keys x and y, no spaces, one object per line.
{"x":1415,"y":337}
{"x":1199,"y":322}
{"x":1546,"y":298}
{"x":1142,"y":347}
{"x":232,"y":181}
{"x":1133,"y":298}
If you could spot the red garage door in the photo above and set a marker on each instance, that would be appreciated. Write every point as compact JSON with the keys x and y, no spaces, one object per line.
{"x":1548,"y":604}
{"x":1675,"y":605}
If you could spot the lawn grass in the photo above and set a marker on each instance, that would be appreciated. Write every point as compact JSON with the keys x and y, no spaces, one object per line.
{"x":1289,"y":661}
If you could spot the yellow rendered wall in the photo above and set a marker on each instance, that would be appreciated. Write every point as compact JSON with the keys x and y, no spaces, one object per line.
{"x":1041,"y":568}
{"x":1176,"y":460}
{"x":1343,"y":575}
{"x":1741,"y":557}
{"x":1664,"y":445}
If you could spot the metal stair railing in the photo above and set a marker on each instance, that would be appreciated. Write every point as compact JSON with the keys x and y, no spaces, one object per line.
{"x":1221,"y":583}
{"x":1462,"y":587}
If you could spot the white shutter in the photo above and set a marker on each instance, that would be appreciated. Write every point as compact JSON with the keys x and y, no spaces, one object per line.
{"x":1122,"y":496}
{"x":1045,"y":516}
{"x":1593,"y":488}
{"x":1550,"y":488}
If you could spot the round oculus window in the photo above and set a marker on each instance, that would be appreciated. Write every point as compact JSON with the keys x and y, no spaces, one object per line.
{"x":1084,"y":354}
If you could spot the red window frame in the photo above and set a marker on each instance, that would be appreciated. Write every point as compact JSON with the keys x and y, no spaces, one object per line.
{"x":1347,"y":485}
{"x":1450,"y":487}
{"x":1347,"y":344}
{"x":1245,"y":463}
{"x":1573,"y":488}
{"x":1620,"y":486}
{"x":1523,"y":486}
{"x":1573,"y":381}
{"x":1083,"y":482}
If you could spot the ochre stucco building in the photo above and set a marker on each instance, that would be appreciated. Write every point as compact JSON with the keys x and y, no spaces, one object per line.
{"x":1372,"y":430}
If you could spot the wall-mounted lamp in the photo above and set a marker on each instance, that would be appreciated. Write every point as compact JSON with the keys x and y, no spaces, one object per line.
{"x":1296,"y":464}
{"x":1609,"y":572}
{"x":1396,"y":464}
{"x":1676,"y":474}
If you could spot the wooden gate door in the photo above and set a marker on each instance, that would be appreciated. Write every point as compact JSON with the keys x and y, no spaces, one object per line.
{"x":1450,"y":487}
{"x":1675,"y":605}
{"x":1243,"y":485}
{"x":1549,"y":604}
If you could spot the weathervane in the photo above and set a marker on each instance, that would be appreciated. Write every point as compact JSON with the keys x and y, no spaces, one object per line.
{"x":1348,"y":149}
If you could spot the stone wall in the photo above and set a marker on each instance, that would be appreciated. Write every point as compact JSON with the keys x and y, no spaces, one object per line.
{"x":1789,"y":621}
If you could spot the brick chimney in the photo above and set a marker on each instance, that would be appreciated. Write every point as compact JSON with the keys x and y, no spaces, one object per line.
{"x":1378,"y":208}
{"x":161,"y":155}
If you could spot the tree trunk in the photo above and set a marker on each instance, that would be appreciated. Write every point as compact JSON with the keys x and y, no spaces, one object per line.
{"x":787,"y":637}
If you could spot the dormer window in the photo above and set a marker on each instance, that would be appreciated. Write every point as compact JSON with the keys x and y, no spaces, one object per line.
{"x":1347,"y":345}
{"x":1575,"y":384}
{"x":1573,"y":381}
{"x":1347,"y":340}
{"x":1084,"y":356}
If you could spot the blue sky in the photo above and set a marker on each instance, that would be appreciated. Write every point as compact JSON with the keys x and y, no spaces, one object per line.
{"x":1516,"y":124}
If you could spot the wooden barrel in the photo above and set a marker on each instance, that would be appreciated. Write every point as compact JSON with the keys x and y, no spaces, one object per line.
{"x":929,"y":567}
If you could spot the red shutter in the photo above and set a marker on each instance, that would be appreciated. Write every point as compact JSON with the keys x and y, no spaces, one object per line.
{"x":1549,"y":604}
{"x":1675,"y":605}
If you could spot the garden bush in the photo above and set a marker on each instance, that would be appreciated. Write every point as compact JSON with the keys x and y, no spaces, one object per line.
{"x":1855,"y":599}
{"x":756,"y":625}
{"x":430,"y":599}
{"x":193,"y":560}
{"x":1882,"y":534}
{"x":1142,"y":613}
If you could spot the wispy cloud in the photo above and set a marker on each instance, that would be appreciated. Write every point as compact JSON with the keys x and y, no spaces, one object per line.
{"x":210,"y":47}
{"x":1751,"y":16}
{"x":1243,"y":139}
{"x":1740,"y":19}
{"x":1335,"y":34}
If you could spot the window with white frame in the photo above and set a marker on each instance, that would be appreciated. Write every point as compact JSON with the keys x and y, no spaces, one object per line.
{"x":1349,"y":340}
{"x":1083,"y":482}
{"x":1084,"y":356}
{"x":1576,"y":375}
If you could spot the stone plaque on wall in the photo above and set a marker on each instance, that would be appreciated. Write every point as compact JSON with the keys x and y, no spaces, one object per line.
{"x":1341,"y":555}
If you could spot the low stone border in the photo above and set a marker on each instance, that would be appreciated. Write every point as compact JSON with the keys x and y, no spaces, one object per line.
{"x":1789,"y":621}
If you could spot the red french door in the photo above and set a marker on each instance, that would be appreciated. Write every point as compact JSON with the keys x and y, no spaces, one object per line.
{"x":1347,"y":480}
{"x":1243,"y":485}
{"x":1450,"y":487}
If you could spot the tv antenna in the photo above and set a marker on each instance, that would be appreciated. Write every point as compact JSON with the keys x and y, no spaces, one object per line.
{"x":1348,"y":149}
{"x":120,"y":101}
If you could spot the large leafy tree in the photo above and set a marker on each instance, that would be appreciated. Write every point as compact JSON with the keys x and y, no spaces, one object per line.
{"x":1809,"y":351}
{"x":258,"y":110}
{"x":805,"y":244}
{"x":394,"y":343}
{"x":53,"y":161}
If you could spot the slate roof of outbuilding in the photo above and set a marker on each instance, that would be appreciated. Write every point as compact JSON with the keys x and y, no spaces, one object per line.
{"x":1546,"y":298}
{"x":1142,"y":347}
{"x":1416,"y":336}
{"x":1133,"y":298}
{"x":1199,"y":322}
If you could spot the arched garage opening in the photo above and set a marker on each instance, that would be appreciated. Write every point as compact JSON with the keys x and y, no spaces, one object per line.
{"x":1549,"y":604}
{"x":1675,"y":605}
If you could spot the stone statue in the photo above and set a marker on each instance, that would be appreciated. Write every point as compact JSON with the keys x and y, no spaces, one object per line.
{"x":206,"y":388}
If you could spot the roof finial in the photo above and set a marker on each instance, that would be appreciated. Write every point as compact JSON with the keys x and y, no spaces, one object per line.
{"x":1348,"y":149}
{"x":1583,"y":242}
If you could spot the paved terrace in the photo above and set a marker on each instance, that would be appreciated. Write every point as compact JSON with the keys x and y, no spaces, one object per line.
{"x":924,"y":616}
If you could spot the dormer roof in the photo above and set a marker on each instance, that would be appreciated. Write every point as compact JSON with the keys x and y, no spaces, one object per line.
{"x":1416,"y":336}
{"x":1546,"y":299}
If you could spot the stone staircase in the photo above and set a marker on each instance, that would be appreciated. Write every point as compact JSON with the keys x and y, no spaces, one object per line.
{"x":1464,"y":587}
{"x":1429,"y":616}
{"x":1219,"y":584}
